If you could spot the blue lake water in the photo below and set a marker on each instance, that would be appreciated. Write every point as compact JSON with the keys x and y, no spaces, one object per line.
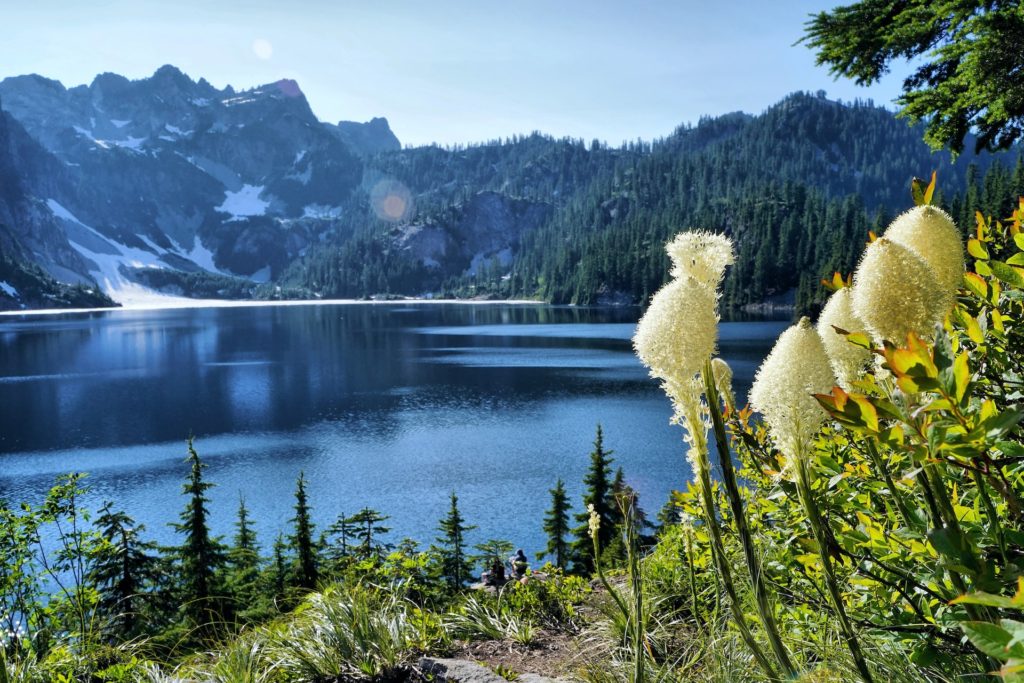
{"x":391,"y":406}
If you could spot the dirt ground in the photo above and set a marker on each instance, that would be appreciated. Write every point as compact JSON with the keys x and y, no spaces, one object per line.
{"x":556,"y":655}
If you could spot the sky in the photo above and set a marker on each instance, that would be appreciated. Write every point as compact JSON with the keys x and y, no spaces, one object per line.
{"x":452,"y":71}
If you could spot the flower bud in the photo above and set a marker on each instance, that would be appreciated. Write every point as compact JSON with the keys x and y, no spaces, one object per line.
{"x":895,"y":292}
{"x":783,"y":389}
{"x":594,"y":523}
{"x":848,"y":360}
{"x":723,"y":381}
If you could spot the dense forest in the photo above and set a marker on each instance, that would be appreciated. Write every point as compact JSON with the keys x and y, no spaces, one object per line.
{"x":798,"y":188}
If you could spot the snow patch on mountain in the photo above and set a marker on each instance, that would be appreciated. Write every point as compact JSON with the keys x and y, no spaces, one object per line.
{"x":243,"y":203}
{"x":8,"y":289}
{"x":321,"y":211}
{"x":107,"y":267}
{"x":120,"y":123}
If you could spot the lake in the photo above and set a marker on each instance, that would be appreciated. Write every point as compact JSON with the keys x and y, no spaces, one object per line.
{"x":391,"y":406}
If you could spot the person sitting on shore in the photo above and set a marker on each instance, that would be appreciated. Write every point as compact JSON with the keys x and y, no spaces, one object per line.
{"x":520,"y":565}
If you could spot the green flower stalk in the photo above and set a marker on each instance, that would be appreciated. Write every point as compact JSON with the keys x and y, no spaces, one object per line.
{"x":797,"y":368}
{"x":712,"y":383}
{"x":676,"y":339}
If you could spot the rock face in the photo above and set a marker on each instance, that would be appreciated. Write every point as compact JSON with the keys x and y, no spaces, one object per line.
{"x":480,"y":233}
{"x":170,"y":173}
{"x":368,"y":138}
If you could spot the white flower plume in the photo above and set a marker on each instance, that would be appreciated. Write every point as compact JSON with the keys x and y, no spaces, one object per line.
{"x":678,"y":331}
{"x":930,"y":233}
{"x":796,"y":368}
{"x":848,"y":360}
{"x":895,"y":292}
{"x":701,"y":255}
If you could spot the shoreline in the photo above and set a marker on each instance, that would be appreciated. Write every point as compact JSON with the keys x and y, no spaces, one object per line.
{"x":179,"y":304}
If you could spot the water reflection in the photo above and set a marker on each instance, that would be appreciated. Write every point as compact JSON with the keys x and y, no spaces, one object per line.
{"x":391,"y":406}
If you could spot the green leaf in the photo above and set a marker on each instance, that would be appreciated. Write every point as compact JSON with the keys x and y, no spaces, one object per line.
{"x":992,"y":640}
{"x":1008,"y":274}
{"x":976,"y":249}
{"x":1016,"y":260}
{"x":999,"y":425}
{"x":986,"y":600}
{"x":1019,"y":240}
{"x":976,"y":284}
{"x":961,"y":376}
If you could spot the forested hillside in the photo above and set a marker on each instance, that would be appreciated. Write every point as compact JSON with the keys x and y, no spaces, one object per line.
{"x":797,"y":187}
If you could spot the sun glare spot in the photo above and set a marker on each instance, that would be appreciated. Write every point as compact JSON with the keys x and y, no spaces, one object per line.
{"x":262,"y":48}
{"x":391,"y":200}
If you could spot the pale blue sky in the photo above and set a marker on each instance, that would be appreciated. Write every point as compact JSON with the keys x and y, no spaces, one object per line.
{"x":450,"y":71}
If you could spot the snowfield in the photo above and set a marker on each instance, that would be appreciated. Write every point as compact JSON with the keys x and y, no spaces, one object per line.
{"x":244,"y":203}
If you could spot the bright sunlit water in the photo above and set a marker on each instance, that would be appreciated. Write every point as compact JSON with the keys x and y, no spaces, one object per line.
{"x":391,"y":406}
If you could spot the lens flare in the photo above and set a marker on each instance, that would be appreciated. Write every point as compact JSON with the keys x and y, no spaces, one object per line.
{"x":262,"y":48}
{"x":391,"y":201}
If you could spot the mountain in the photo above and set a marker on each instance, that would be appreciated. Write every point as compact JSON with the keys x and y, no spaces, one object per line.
{"x":166,"y":186}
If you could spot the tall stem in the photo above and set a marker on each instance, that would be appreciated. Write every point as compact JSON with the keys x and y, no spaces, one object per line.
{"x":703,"y":466}
{"x":908,"y":518}
{"x":818,"y":527}
{"x":732,"y":489}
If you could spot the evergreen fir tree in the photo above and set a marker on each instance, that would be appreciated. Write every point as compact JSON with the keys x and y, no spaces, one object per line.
{"x":244,"y":564}
{"x":279,"y":568}
{"x":201,"y":556}
{"x":336,"y":543}
{"x":306,"y":574}
{"x":455,"y":566}
{"x":556,"y":526}
{"x":365,"y":526}
{"x":599,"y":494}
{"x":123,"y":570}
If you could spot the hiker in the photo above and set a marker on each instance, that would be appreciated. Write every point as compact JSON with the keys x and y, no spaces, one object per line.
{"x":519,"y":563}
{"x":496,"y":575}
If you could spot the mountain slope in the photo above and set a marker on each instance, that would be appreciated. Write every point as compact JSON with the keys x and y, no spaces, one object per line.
{"x":167,"y":186}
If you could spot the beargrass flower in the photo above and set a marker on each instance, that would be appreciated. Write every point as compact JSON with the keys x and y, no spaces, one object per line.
{"x":895,"y":292}
{"x":677,"y":333}
{"x":848,"y":360}
{"x":797,"y":368}
{"x":930,"y":233}
{"x":701,"y":255}
{"x":594,"y":523}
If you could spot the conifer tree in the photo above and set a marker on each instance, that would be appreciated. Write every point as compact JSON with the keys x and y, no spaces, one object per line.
{"x":122,"y":572}
{"x":336,"y":542}
{"x":556,"y":526}
{"x":244,"y":562}
{"x":279,"y":568}
{"x":455,"y":566}
{"x":306,"y":574}
{"x":201,"y":556}
{"x":365,"y":525}
{"x":599,"y":494}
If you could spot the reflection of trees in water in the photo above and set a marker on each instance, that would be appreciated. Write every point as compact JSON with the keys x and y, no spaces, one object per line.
{"x":138,"y":377}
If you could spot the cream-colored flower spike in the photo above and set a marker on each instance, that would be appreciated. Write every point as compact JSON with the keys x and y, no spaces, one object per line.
{"x":931,"y":233}
{"x":848,"y":360}
{"x":678,"y":331}
{"x":783,"y":389}
{"x":895,"y":292}
{"x":701,"y":255}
